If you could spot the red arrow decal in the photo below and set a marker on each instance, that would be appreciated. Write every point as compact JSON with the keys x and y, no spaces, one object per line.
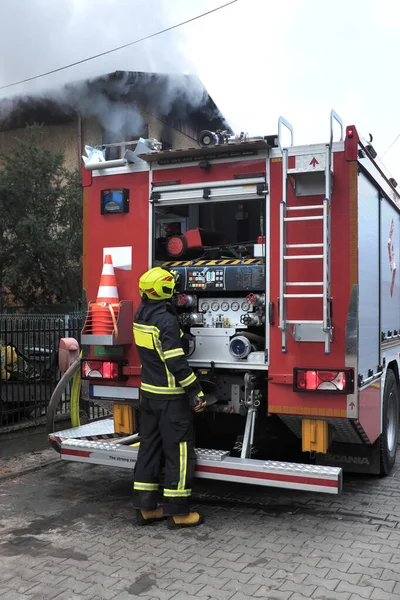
{"x":314,"y":162}
{"x":352,"y":405}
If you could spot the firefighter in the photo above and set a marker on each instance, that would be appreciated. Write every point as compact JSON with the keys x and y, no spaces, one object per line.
{"x":170,"y":392}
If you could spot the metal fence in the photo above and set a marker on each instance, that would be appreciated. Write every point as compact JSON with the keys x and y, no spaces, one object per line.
{"x":29,"y":365}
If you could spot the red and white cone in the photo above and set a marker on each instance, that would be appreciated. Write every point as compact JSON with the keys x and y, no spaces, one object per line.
{"x":105,"y":310}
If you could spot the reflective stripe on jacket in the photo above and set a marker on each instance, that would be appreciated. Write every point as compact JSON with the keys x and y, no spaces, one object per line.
{"x":165,"y":370}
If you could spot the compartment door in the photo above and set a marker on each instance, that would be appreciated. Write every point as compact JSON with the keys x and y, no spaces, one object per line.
{"x":390,"y":275}
{"x":368,"y":276}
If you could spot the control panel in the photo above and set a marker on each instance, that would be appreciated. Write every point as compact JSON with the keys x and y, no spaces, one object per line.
{"x":207,"y":279}
{"x":232,"y":278}
{"x":225,"y":312}
{"x":223,"y":308}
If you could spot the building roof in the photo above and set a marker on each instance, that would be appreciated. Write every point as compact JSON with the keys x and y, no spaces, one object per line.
{"x":164,"y":95}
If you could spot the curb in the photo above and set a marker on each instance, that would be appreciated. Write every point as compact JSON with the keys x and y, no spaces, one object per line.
{"x":32,"y":469}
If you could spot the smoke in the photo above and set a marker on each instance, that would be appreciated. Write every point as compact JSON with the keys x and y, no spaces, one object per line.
{"x":40,"y":35}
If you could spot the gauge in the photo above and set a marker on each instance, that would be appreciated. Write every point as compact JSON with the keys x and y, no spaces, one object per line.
{"x":224,"y":305}
{"x":215,"y":306}
{"x":245,"y":307}
{"x":235,"y":306}
{"x":205,"y":306}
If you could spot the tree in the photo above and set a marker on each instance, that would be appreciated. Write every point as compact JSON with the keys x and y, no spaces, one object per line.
{"x":40,"y":224}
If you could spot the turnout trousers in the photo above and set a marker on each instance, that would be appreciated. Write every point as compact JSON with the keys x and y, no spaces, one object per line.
{"x":166,"y":431}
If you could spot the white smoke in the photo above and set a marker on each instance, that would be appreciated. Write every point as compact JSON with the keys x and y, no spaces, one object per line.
{"x":41,"y":35}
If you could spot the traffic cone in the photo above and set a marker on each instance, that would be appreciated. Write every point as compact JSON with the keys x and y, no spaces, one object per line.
{"x":108,"y":291}
{"x":105,"y":309}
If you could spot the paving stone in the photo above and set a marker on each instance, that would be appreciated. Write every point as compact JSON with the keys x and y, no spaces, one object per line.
{"x":20,"y":585}
{"x":289,"y":576}
{"x":10,"y":594}
{"x":387,"y":585}
{"x":379,"y":594}
{"x":323,"y":593}
{"x":45,"y":592}
{"x":353,"y":578}
{"x":238,"y":586}
{"x":370,"y":571}
{"x":185,"y":596}
{"x":338,"y":565}
{"x":182,"y":576}
{"x":388,"y":574}
{"x":189,"y":588}
{"x":307,"y":570}
{"x":99,"y":591}
{"x":128,"y":596}
{"x":363,"y":591}
{"x":217,"y":582}
{"x":230,"y":574}
{"x":329,"y":584}
{"x":229,"y":564}
{"x":211,"y":592}
{"x":300,"y":588}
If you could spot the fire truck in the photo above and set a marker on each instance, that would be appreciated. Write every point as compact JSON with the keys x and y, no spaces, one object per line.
{"x":285,"y":258}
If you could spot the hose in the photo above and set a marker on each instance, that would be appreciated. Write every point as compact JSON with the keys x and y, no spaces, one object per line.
{"x":252,"y":337}
{"x":75,"y":398}
{"x":56,"y":398}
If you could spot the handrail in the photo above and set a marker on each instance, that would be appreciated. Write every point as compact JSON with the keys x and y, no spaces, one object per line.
{"x":282,"y":121}
{"x":335,"y":116}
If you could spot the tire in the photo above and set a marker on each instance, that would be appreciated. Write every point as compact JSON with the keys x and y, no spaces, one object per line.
{"x":390,"y":423}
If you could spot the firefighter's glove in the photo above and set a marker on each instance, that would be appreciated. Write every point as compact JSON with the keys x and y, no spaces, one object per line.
{"x":198,"y":403}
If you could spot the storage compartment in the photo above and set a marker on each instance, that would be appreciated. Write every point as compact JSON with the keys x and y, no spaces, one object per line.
{"x":214,"y":230}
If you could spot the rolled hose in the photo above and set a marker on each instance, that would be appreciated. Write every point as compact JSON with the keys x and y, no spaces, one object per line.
{"x":56,"y":398}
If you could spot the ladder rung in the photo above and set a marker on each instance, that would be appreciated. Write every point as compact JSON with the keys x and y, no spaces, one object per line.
{"x":303,"y":295}
{"x":304,"y":245}
{"x":309,"y":207}
{"x":303,"y":256}
{"x":305,"y":322}
{"x":303,"y":218}
{"x":305,"y":283}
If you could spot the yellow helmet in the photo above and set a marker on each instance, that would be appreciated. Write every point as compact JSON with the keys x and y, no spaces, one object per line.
{"x":157,"y":284}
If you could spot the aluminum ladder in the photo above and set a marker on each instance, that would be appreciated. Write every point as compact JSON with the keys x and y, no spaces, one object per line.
{"x":318,"y":330}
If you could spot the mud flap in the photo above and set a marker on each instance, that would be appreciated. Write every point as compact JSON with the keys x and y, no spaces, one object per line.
{"x":353,"y":458}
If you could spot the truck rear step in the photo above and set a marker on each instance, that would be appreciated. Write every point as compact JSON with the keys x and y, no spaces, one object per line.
{"x":211,"y":464}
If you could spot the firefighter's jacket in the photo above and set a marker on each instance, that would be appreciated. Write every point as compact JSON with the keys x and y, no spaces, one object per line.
{"x":165,"y":370}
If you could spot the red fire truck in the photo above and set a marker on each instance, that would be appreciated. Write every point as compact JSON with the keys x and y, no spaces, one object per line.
{"x":287,"y":294}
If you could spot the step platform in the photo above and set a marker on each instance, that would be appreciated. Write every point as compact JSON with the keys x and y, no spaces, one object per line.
{"x":97,"y":444}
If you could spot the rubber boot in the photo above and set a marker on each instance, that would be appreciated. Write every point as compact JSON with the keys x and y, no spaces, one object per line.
{"x":193,"y":519}
{"x":146,"y":517}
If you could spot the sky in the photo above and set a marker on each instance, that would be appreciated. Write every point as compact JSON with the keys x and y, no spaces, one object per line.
{"x":258,"y":59}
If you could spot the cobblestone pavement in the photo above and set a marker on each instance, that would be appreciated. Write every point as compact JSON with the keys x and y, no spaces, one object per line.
{"x":67,"y":533}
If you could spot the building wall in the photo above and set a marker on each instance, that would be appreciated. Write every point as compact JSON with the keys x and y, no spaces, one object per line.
{"x":70,"y":138}
{"x":92,"y":133}
{"x":161,"y":131}
{"x":57,"y":138}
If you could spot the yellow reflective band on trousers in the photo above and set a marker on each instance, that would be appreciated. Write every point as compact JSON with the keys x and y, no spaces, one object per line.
{"x":173,"y":353}
{"x":182,"y":465}
{"x":142,"y":486}
{"x":155,"y":389}
{"x":190,"y":379}
{"x":177,"y":493}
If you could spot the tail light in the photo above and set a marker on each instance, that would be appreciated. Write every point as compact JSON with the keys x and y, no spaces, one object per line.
{"x":102,"y":369}
{"x":332,"y":381}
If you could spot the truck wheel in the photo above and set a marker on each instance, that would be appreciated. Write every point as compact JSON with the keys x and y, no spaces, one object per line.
{"x":390,"y":425}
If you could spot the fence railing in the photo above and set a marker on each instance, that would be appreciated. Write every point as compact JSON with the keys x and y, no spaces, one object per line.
{"x":29,"y":365}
